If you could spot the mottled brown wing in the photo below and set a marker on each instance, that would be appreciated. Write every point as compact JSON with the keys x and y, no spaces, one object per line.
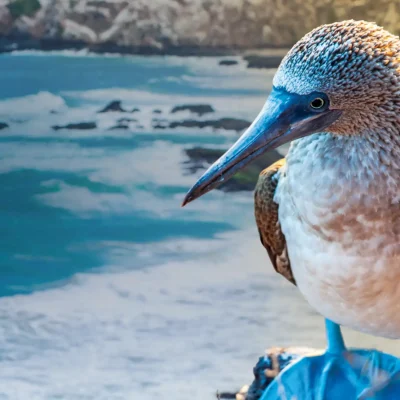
{"x":269,"y":228}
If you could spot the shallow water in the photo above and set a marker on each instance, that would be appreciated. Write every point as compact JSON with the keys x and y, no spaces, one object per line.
{"x":109,"y":290}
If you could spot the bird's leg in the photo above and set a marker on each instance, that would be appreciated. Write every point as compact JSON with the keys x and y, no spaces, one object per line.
{"x":336,"y":348}
{"x":334,"y":338}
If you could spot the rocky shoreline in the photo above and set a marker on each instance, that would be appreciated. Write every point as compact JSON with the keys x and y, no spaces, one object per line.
{"x":255,"y":58}
{"x":21,"y":43}
{"x":181,"y":116}
{"x":198,"y":158}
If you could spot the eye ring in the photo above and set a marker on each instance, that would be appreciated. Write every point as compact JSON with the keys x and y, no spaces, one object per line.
{"x":317,"y":103}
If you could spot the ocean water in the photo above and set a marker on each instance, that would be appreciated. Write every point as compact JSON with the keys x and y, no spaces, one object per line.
{"x":109,"y":290}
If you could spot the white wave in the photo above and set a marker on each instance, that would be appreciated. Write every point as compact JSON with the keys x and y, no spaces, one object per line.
{"x":31,"y":105}
{"x":134,"y":97}
{"x":143,"y":333}
{"x":82,"y":201}
{"x":207,"y":73}
{"x":237,"y":82}
{"x":85,"y":203}
{"x":64,"y":53}
{"x":210,"y":65}
{"x":180,"y":330}
{"x":159,"y":163}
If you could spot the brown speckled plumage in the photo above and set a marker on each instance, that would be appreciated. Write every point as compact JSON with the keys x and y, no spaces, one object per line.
{"x":266,"y":213}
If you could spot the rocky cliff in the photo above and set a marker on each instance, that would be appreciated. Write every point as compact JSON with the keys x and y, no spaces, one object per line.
{"x":168,"y":25}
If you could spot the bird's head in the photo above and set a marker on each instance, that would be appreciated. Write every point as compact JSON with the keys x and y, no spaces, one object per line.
{"x":342,"y":78}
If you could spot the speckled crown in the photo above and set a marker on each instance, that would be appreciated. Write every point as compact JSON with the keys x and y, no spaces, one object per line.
{"x":342,"y":55}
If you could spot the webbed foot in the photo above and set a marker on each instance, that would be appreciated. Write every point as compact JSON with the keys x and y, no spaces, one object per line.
{"x":338,"y":374}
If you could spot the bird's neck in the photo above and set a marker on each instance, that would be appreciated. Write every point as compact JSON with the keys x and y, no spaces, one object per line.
{"x":344,"y":189}
{"x":332,"y":162}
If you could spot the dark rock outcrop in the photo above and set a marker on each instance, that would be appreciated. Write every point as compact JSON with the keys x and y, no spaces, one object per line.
{"x":135,"y":110}
{"x":231,"y":124}
{"x":126,"y":120}
{"x":160,"y":123}
{"x":113,"y":106}
{"x":200,"y":158}
{"x":119,"y":127}
{"x":3,"y":125}
{"x":260,"y":61}
{"x":78,"y":125}
{"x":157,"y":111}
{"x":228,"y":63}
{"x":199,"y":109}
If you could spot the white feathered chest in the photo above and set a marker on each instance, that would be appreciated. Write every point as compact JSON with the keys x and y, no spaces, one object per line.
{"x":339,"y":211}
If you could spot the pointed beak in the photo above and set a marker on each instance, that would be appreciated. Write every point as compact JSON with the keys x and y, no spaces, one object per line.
{"x":284,"y":117}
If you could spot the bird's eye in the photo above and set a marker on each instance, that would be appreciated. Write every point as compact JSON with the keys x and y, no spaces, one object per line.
{"x":317,"y":103}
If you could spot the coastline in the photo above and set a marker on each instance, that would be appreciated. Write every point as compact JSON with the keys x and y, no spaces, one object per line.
{"x":255,"y":57}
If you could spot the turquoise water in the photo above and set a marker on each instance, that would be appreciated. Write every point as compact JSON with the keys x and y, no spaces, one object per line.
{"x":108,"y":288}
{"x":42,"y":243}
{"x":24,"y":75}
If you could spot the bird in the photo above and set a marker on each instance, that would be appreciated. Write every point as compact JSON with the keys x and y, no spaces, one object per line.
{"x":328,"y":214}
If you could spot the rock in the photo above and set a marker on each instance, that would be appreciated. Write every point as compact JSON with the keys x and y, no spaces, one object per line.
{"x":203,"y":155}
{"x":119,"y":126}
{"x":200,"y":158}
{"x":135,"y":110}
{"x":199,"y":109}
{"x":114,"y":106}
{"x":240,"y":395}
{"x":260,"y":61}
{"x":78,"y":125}
{"x":159,"y":123}
{"x":233,"y":124}
{"x":126,"y":120}
{"x":159,"y":126}
{"x":226,"y":395}
{"x":157,"y":111}
{"x":3,"y":125}
{"x":228,"y":62}
{"x":266,"y":370}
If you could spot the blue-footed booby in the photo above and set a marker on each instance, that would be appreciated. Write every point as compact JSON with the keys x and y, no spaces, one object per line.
{"x":329,"y":214}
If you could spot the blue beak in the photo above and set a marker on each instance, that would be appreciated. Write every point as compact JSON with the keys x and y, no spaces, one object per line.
{"x":284,"y":117}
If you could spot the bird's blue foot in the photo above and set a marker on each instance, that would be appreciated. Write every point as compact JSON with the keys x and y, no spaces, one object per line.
{"x":338,"y":374}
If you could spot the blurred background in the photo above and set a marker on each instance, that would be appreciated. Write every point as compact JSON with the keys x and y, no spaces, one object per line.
{"x":109,"y":111}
